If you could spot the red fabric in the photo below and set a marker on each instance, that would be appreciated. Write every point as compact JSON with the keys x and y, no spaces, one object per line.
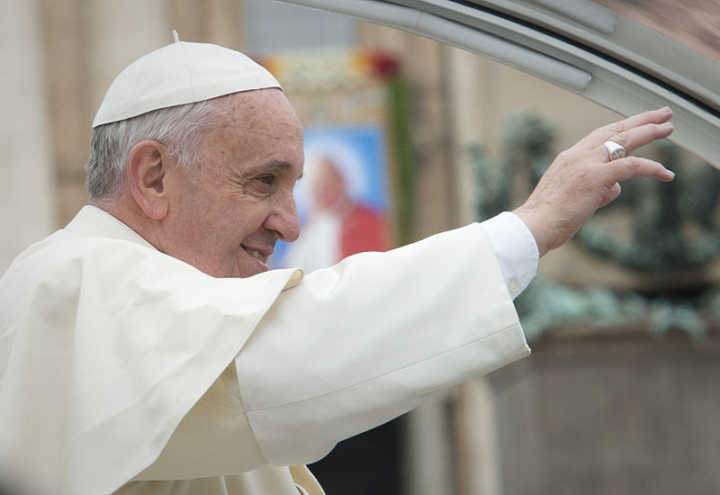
{"x":363,"y":230}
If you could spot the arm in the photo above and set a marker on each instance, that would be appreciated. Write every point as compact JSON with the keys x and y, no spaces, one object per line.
{"x":362,"y":342}
{"x":439,"y":310}
{"x":303,"y":388}
{"x":372,"y":369}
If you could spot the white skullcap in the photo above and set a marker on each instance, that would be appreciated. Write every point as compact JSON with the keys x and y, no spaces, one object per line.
{"x":180,"y":73}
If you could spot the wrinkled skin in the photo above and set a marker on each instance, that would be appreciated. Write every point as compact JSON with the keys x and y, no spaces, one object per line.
{"x":226,"y":217}
{"x":582,"y":179}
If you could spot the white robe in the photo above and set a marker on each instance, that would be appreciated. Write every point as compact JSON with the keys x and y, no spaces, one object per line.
{"x":122,"y":368}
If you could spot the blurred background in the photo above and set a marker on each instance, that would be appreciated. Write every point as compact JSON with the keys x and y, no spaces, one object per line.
{"x":413,"y":137}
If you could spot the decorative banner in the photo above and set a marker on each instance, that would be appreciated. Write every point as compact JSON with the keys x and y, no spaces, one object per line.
{"x":347,"y":100}
{"x":342,"y":199}
{"x":329,"y":70}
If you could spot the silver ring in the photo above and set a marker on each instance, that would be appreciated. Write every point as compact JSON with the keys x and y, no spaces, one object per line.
{"x":614,"y":150}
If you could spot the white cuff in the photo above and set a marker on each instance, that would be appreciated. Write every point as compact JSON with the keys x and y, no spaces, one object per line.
{"x":515,"y":249}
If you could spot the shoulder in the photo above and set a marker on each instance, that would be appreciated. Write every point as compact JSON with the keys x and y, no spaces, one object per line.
{"x":64,"y":261}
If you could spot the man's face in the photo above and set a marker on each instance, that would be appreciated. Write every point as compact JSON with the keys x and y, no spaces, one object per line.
{"x":227,"y":212}
{"x":328,"y":186}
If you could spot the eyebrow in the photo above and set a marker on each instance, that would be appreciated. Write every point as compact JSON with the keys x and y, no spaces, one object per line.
{"x":271,"y":166}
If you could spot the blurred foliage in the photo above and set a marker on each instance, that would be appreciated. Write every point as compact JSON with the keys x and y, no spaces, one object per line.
{"x":545,"y":305}
{"x":674,"y":227}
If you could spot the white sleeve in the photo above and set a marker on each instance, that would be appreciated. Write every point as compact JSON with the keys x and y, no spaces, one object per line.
{"x":357,"y":344}
{"x":515,"y":249}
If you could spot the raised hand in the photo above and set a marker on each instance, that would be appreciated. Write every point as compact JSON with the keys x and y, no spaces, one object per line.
{"x":583,"y":178}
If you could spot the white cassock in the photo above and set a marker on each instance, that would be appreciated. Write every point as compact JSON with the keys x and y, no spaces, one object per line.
{"x":124,"y":369}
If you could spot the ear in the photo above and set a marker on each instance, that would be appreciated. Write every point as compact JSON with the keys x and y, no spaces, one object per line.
{"x":147,"y":174}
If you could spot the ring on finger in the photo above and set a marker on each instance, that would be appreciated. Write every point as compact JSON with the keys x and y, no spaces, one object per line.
{"x":614,"y":150}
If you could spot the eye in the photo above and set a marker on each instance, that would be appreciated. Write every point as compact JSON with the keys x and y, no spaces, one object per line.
{"x":267,"y":179}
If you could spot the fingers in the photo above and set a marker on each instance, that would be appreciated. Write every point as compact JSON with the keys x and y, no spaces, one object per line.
{"x":633,"y":166}
{"x":642,"y":135}
{"x":637,"y":137}
{"x":599,"y":136}
{"x":658,"y":116}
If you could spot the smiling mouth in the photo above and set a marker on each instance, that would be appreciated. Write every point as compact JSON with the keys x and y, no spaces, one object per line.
{"x":262,"y":258}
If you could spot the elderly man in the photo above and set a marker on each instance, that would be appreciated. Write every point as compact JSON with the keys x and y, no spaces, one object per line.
{"x":146,"y":347}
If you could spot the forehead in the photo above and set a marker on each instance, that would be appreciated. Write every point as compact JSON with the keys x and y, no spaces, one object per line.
{"x":265,"y":111}
{"x":258,"y":126}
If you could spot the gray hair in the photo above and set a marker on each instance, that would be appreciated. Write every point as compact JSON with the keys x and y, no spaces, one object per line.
{"x":181,"y":128}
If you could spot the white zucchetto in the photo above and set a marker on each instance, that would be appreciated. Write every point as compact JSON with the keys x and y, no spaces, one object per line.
{"x":180,"y":73}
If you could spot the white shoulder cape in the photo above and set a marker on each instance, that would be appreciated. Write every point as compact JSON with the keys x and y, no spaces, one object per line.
{"x":97,"y":345}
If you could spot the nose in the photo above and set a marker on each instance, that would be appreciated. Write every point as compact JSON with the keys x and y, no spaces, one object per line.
{"x":284,"y":219}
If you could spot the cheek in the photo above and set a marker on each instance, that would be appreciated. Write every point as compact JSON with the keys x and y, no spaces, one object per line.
{"x":236,"y":223}
{"x":191,"y":204}
{"x":207,"y":225}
